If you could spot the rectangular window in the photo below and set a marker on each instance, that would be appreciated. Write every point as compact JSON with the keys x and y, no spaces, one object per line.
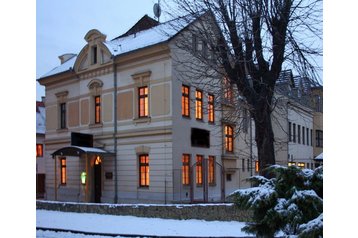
{"x":211,"y":170}
{"x":294,"y":132}
{"x":143,"y":101}
{"x":94,"y":54}
{"x":185,"y":101}
{"x":200,"y":138}
{"x":303,"y":135}
{"x":144,"y":170}
{"x":229,"y":138}
{"x":211,"y":111}
{"x":39,"y":150}
{"x":63,"y":171}
{"x":228,"y":177}
{"x":308,"y":136}
{"x":298,"y":134}
{"x":291,"y":163}
{"x":256,"y":166}
{"x":199,"y":105}
{"x":311,"y":137}
{"x":97,"y":109}
{"x":248,"y":165}
{"x":319,"y":138}
{"x":63,"y":115}
{"x":186,"y":169}
{"x":289,"y":132}
{"x":243,"y":165}
{"x":301,"y":165}
{"x":199,"y":170}
{"x":228,"y":90}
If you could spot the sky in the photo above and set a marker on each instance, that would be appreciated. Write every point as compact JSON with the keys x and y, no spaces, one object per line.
{"x":62,"y":24}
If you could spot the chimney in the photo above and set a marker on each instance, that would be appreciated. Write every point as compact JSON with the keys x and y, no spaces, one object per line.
{"x":65,"y":57}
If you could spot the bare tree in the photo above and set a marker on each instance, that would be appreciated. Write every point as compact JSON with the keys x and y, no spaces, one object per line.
{"x":245,"y":44}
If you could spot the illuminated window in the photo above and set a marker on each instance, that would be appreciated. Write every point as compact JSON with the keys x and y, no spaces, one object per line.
{"x":301,"y":165}
{"x":229,"y":139}
{"x":199,"y":170}
{"x":185,"y":101}
{"x":97,"y":111}
{"x":228,"y":90}
{"x":257,"y":168}
{"x":98,"y":160}
{"x":199,"y":105}
{"x":63,"y":115}
{"x":39,"y":150}
{"x":211,"y":112}
{"x":291,"y":163}
{"x":144,"y":170}
{"x":63,"y":171}
{"x":186,"y":169}
{"x":143,"y":101}
{"x":211,"y":170}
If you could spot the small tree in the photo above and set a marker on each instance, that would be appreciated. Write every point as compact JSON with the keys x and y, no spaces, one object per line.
{"x":291,"y":202}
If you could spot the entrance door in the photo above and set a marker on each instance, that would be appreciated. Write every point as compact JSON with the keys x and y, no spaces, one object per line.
{"x":97,"y":180}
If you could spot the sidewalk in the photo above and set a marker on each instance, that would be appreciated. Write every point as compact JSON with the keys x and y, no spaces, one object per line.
{"x":129,"y":226}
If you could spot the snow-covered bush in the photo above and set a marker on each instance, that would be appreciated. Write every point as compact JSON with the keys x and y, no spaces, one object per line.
{"x":290,"y":201}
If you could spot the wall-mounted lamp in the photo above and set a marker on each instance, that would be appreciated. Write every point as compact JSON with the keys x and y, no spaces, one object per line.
{"x":83,"y":178}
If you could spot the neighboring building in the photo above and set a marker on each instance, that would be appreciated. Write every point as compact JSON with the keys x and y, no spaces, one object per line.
{"x":121,"y":127}
{"x":40,"y":148}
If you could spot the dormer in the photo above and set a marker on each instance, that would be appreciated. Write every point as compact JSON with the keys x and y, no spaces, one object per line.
{"x":95,"y":53}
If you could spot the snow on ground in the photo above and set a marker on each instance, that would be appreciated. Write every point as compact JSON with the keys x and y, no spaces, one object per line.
{"x":98,"y":223}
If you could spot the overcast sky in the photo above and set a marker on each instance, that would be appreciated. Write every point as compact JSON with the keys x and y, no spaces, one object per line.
{"x":62,"y":24}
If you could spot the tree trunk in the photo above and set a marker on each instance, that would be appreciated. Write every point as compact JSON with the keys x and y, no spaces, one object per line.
{"x":264,"y":137}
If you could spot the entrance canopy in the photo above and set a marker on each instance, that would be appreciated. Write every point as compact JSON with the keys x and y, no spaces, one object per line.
{"x":79,"y":150}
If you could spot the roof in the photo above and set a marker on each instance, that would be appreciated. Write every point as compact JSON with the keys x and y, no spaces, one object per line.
{"x":40,"y":118}
{"x":144,"y":23}
{"x":319,"y":157}
{"x":143,"y":34}
{"x":79,"y":150}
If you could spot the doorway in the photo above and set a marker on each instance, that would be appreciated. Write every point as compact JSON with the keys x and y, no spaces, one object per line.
{"x":97,"y":180}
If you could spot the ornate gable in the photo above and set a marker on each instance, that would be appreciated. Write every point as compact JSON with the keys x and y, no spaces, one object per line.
{"x":94,"y":54}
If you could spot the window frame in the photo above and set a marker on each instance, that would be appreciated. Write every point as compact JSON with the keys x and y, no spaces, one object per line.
{"x":97,"y":109}
{"x":211,"y":108}
{"x":185,"y":101}
{"x":199,"y":170}
{"x":229,"y":138}
{"x":143,"y":102}
{"x":63,"y":170}
{"x":63,"y":115}
{"x":319,"y":138}
{"x":39,"y":150}
{"x":186,"y":169}
{"x":211,"y":170}
{"x":144,"y":181}
{"x":198,"y":104}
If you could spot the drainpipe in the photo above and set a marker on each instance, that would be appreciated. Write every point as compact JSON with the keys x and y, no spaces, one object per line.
{"x":115,"y":132}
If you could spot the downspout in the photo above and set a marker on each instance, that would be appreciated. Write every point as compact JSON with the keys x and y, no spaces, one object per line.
{"x":115,"y":132}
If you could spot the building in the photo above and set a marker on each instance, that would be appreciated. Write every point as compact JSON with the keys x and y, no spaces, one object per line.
{"x":122,"y":127}
{"x":40,"y":148}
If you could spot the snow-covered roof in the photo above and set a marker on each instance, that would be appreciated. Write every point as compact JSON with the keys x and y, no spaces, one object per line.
{"x":78,"y":150}
{"x":40,"y":118}
{"x":126,"y":43}
{"x":62,"y":68}
{"x":319,"y":157}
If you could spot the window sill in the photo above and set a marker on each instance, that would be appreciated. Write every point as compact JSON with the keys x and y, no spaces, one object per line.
{"x":97,"y":125}
{"x":141,"y":120}
{"x":62,"y":130}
